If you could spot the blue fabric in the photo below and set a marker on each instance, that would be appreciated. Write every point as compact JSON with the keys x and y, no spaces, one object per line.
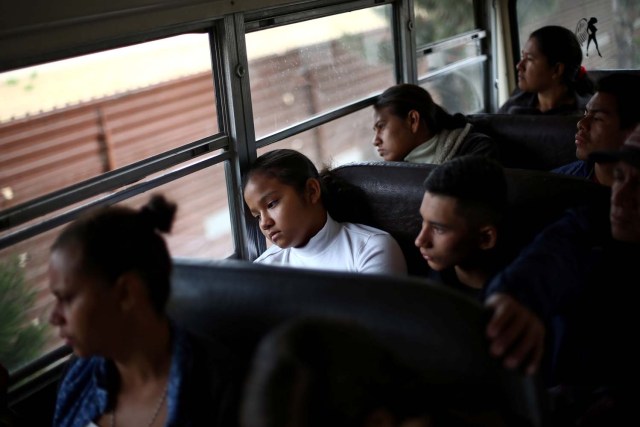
{"x":579,"y":168}
{"x":562,"y":253}
{"x":89,"y":387}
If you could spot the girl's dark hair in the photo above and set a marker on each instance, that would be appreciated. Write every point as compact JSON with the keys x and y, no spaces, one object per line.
{"x":115,"y":240}
{"x":404,"y":97}
{"x":290,"y":167}
{"x":327,"y":372}
{"x":559,"y":44}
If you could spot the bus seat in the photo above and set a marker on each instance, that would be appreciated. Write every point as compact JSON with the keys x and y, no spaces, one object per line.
{"x":431,"y":328}
{"x":530,"y":141}
{"x":388,"y":195}
{"x":596,"y":75}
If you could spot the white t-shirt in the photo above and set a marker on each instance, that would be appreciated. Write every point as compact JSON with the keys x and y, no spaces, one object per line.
{"x":343,"y":247}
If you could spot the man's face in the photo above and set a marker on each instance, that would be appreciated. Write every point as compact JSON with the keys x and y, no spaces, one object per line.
{"x":599,"y":129}
{"x":625,"y":203}
{"x":446,"y":238}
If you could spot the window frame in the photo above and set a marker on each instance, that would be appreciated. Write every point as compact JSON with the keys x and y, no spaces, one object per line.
{"x":227,"y":27}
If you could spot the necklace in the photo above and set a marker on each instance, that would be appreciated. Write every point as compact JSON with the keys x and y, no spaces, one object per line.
{"x":155,"y":413}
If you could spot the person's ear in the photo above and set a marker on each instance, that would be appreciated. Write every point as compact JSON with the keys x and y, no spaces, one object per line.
{"x":558,"y":71}
{"x":129,"y":290}
{"x":488,"y":237}
{"x":313,"y":191}
{"x":413,"y":120}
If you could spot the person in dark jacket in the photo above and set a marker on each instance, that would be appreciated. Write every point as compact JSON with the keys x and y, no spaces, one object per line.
{"x":576,"y":282}
{"x":551,"y":79}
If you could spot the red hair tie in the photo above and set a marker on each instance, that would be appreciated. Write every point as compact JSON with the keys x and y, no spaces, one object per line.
{"x":582,"y":72}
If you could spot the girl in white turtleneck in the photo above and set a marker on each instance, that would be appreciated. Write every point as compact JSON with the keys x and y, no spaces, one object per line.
{"x":284,"y":192}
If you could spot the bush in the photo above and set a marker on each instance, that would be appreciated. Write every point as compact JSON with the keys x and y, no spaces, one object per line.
{"x":21,"y":339}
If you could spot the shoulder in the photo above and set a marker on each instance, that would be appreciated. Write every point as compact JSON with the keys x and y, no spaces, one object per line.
{"x":82,"y":392}
{"x":578,"y":168}
{"x":373,"y":250}
{"x":361,"y":229}
{"x":367,"y":234}
{"x":479,"y":143}
{"x":367,"y":240}
{"x":272,"y":254}
{"x":80,"y":372}
{"x":520,"y":103}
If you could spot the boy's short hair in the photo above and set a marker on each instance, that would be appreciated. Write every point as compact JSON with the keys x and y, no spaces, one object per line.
{"x":477,"y":183}
{"x":625,"y":88}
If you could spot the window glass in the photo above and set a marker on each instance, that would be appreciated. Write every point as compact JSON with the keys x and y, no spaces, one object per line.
{"x":74,"y":119}
{"x":202,"y":228}
{"x":301,"y":70}
{"x":441,"y":58}
{"x":614,"y":32}
{"x":459,"y":91}
{"x":431,"y":14}
{"x":344,"y":140}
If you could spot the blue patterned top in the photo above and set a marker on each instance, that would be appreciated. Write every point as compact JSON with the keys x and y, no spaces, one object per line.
{"x":89,"y":388}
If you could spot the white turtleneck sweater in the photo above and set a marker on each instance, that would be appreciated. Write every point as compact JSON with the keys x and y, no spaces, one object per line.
{"x":343,"y":247}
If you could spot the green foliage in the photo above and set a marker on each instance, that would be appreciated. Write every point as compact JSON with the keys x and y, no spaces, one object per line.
{"x":530,"y":11}
{"x":21,"y":340}
{"x":431,"y":16}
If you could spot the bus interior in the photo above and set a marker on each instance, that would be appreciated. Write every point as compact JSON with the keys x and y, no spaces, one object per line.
{"x":105,"y":103}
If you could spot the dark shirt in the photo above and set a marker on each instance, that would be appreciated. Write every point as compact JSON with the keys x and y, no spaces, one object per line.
{"x":200,"y":387}
{"x":527,"y":103}
{"x":581,"y":282}
{"x":579,"y":168}
{"x":449,"y":278}
{"x":478,"y":144}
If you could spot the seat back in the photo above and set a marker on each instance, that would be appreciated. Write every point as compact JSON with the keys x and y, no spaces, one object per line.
{"x":434,"y":330}
{"x":387,"y":195}
{"x":530,"y":141}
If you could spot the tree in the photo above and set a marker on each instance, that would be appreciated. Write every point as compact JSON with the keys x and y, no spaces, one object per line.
{"x":21,"y":339}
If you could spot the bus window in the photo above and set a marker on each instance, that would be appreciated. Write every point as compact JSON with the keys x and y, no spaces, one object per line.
{"x":202,"y":228}
{"x":609,"y":28}
{"x":109,"y":127}
{"x":450,"y":61}
{"x":459,"y":91}
{"x":304,"y":69}
{"x":431,"y":14}
{"x":344,"y":140}
{"x":75,"y":119}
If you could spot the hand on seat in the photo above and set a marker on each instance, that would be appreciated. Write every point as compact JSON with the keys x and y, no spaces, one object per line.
{"x":516,"y":333}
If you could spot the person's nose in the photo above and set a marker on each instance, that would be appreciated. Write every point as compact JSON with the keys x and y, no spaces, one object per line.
{"x":376,"y":139}
{"x":520,"y":65}
{"x":56,"y":318}
{"x":266,"y":222}
{"x":584,"y":122}
{"x":424,"y":237}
